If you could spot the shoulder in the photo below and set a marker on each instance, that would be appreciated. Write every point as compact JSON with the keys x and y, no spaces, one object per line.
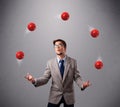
{"x":70,"y":59}
{"x":51,"y":60}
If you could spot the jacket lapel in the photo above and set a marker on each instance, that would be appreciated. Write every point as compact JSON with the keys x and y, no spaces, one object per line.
{"x":57,"y":69}
{"x":67,"y":65}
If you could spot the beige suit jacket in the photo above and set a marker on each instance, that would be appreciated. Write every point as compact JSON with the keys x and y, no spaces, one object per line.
{"x":61,"y":87}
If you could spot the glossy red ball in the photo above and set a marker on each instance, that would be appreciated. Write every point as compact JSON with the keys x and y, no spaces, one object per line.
{"x":31,"y":26}
{"x":65,"y":16}
{"x":98,"y":64}
{"x":20,"y":55}
{"x":94,"y":33}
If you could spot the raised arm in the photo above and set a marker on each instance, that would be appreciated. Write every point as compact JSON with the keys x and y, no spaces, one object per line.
{"x":41,"y":80}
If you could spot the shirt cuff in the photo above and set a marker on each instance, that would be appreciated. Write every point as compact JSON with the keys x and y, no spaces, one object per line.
{"x":82,"y":88}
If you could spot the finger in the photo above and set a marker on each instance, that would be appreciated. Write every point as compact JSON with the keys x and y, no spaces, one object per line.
{"x":28,"y":73}
{"x":30,"y":77}
{"x":89,"y":84}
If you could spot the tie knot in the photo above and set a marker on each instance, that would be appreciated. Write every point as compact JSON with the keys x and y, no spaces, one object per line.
{"x":61,"y":61}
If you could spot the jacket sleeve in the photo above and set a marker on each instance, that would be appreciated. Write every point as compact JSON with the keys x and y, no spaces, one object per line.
{"x":43,"y":79}
{"x":77,"y":77}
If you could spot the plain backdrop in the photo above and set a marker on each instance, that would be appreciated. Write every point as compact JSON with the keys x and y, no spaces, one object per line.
{"x":104,"y":15}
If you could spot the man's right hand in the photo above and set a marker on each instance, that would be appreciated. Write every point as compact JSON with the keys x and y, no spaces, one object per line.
{"x":30,"y":78}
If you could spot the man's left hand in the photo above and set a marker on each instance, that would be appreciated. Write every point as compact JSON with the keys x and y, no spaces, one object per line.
{"x":86,"y":84}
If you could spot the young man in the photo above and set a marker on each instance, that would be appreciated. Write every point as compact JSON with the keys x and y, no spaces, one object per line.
{"x":63,"y":71}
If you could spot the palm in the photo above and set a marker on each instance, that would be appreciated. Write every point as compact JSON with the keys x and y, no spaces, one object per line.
{"x":86,"y":84}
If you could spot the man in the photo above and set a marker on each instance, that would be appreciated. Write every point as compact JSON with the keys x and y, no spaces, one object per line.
{"x":63,"y":71}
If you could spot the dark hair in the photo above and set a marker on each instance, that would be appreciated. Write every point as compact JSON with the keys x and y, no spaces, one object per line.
{"x":63,"y":42}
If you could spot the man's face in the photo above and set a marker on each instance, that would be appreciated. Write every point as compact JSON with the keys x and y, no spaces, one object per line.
{"x":59,"y":48}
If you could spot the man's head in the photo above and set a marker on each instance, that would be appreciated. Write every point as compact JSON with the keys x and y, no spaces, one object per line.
{"x":60,"y":46}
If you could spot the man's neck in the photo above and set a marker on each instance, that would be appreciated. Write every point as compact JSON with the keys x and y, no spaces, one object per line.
{"x":60,"y":56}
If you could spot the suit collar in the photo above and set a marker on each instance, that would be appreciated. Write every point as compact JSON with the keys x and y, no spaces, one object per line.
{"x":58,"y":59}
{"x":67,"y":65}
{"x":57,"y":69}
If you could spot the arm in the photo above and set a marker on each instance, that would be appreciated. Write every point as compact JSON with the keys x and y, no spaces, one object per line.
{"x":82,"y":85}
{"x":41,"y":80}
{"x":77,"y":77}
{"x":44,"y":79}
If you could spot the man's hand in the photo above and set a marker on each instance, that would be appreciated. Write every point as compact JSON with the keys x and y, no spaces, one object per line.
{"x":30,"y":78}
{"x":85,"y":85}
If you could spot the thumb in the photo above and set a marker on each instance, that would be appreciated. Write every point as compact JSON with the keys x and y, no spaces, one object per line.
{"x":26,"y":76}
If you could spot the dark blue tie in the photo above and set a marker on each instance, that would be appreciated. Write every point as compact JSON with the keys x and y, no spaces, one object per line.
{"x":61,"y":67}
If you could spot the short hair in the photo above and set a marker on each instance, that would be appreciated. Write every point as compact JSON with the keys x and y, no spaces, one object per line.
{"x":63,"y":42}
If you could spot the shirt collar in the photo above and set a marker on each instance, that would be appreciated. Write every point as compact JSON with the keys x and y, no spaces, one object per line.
{"x":60,"y":59}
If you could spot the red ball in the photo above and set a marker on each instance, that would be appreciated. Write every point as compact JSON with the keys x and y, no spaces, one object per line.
{"x":94,"y":33}
{"x":31,"y":26}
{"x":65,"y":16}
{"x":20,"y":55}
{"x":98,"y":64}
